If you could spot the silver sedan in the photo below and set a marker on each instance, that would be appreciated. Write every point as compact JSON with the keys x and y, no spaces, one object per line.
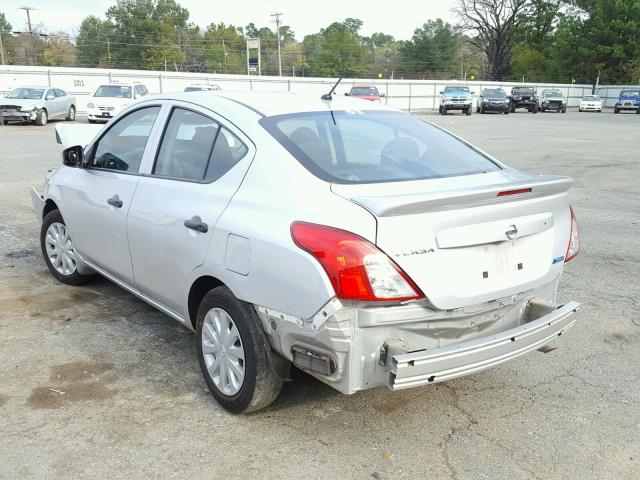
{"x":356,"y":242}
{"x":37,"y":104}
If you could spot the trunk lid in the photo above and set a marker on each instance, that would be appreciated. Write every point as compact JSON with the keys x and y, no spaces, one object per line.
{"x":464,"y":242}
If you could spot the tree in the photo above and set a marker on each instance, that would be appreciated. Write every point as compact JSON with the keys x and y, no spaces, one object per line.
{"x":602,"y":36}
{"x":5,"y":26}
{"x":147,"y":33}
{"x":59,"y":52}
{"x":433,"y":50}
{"x":93,"y":42}
{"x":338,"y":50}
{"x":493,"y":24}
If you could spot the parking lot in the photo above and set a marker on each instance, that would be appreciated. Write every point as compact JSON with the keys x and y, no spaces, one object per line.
{"x":96,"y":384}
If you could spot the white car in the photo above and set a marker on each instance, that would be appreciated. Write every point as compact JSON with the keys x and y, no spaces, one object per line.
{"x":590,"y":103}
{"x":111,"y":98}
{"x":359,"y":243}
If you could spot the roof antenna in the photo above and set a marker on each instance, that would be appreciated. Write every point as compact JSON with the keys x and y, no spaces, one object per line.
{"x":327,"y":96}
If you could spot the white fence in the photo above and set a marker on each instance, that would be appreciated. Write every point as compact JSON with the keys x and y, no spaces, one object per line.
{"x":411,"y":95}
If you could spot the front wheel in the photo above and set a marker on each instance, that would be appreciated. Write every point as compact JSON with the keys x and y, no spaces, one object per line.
{"x":468,"y":111}
{"x":41,"y":118}
{"x":616,"y":110}
{"x":234,"y":353}
{"x":444,"y":111}
{"x":71,"y":116}
{"x":58,"y":251}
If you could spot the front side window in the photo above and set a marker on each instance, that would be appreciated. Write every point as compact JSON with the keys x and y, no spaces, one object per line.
{"x":115,"y":91}
{"x":195,"y":147}
{"x":26,"y":93}
{"x":373,"y":146}
{"x":122,"y":147}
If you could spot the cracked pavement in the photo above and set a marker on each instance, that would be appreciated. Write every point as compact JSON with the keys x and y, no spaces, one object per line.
{"x":96,"y":384}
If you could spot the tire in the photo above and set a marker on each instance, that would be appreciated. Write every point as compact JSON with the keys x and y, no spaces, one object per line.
{"x":41,"y":118}
{"x":221,"y":310}
{"x":534,"y":109}
{"x":468,"y":112}
{"x":91,"y":121}
{"x":564,"y":109}
{"x":542,"y":109}
{"x":506,"y":112}
{"x":444,"y":111}
{"x":53,"y":222}
{"x":440,"y":109}
{"x":513,"y":109}
{"x":71,"y":116}
{"x":616,"y":110}
{"x":482,"y":110}
{"x":638,"y":111}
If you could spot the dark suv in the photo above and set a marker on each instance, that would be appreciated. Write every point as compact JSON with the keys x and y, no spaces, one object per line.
{"x":493,"y":100}
{"x":524,"y":97}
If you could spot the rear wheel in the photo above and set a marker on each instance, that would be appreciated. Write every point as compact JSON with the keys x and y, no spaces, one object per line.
{"x":71,"y":116}
{"x":616,"y":110}
{"x":41,"y":118}
{"x":534,"y":109}
{"x":58,"y":250}
{"x":234,"y":353}
{"x":564,"y":109}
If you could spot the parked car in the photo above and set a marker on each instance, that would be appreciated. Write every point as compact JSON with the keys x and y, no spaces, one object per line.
{"x":366,"y":92}
{"x":37,"y":104}
{"x":281,"y":228}
{"x":553,"y":99}
{"x":111,"y":98}
{"x":524,"y":97}
{"x":456,"y":97}
{"x":493,"y":100}
{"x":590,"y":103}
{"x":202,"y":87}
{"x":629,"y":99}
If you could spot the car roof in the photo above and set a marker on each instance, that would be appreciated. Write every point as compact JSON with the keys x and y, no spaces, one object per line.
{"x":365,"y":86}
{"x":277,"y":103}
{"x":36,"y":86}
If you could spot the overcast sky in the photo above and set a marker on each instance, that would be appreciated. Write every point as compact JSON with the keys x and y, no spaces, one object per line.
{"x":399,"y":18}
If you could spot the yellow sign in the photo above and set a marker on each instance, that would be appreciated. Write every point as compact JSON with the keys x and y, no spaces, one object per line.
{"x":379,"y":75}
{"x":472,"y":77}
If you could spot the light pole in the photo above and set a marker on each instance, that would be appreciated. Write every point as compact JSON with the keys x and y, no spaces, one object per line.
{"x":277,"y":20}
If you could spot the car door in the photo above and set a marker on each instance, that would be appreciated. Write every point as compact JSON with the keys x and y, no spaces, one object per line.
{"x":63,"y":99}
{"x":97,"y":200}
{"x":199,"y":165}
{"x":51,"y":105}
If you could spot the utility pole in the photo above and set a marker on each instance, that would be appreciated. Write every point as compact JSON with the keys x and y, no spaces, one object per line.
{"x":1,"y":51}
{"x":277,"y":20}
{"x":109,"y":52}
{"x":33,"y":50}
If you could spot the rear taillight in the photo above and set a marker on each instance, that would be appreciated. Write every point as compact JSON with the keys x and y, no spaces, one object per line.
{"x":574,"y":239}
{"x":358,"y":270}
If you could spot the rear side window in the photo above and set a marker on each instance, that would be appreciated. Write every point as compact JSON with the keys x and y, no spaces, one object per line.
{"x":122,"y":147}
{"x":60,"y":93}
{"x":196,"y":148}
{"x":374,"y":146}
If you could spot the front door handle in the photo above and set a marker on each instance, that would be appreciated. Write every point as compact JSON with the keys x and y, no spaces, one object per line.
{"x":196,"y":223}
{"x":115,"y":201}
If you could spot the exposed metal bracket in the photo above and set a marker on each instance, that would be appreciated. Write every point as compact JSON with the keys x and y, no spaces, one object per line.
{"x":331,"y":307}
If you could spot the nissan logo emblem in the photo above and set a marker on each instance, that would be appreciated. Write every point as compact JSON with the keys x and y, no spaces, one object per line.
{"x":512,"y":233}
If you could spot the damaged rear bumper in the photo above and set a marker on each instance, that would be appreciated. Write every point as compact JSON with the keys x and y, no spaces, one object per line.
{"x":411,"y":368}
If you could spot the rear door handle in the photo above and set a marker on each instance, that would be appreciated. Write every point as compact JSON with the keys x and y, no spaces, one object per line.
{"x":115,"y":201}
{"x":196,"y":223}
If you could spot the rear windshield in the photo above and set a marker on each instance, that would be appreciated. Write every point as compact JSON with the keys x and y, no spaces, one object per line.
{"x":364,"y":91}
{"x":116,"y":91}
{"x":374,"y":146}
{"x":522,"y":90}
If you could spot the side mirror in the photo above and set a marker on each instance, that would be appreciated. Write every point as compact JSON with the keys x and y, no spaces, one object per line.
{"x":51,"y":96}
{"x":73,"y":156}
{"x":382,"y":94}
{"x":473,"y":93}
{"x":346,"y":94}
{"x":442,"y":92}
